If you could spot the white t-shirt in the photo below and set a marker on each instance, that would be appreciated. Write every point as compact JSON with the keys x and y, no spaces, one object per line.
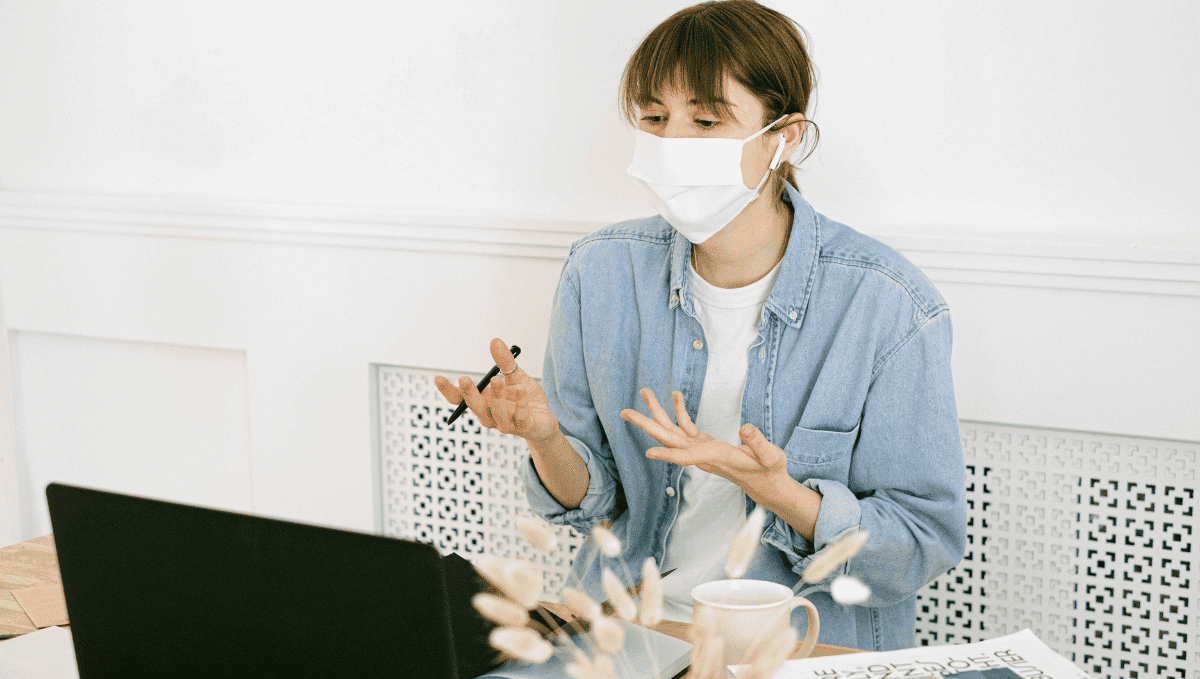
{"x":713,"y":508}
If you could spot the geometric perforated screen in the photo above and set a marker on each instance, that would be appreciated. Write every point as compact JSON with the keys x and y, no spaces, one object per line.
{"x":1087,"y":539}
{"x":455,"y":487}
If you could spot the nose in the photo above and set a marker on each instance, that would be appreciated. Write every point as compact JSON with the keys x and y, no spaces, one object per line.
{"x":678,"y":126}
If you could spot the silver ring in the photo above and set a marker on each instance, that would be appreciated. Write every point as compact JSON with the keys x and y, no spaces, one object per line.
{"x":510,"y":372}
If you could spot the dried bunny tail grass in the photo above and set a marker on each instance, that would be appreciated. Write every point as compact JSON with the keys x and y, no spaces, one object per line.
{"x":708,"y":659}
{"x":618,"y":596}
{"x":605,"y":668}
{"x":526,"y":583}
{"x":600,"y":667}
{"x":521,"y":643}
{"x":500,"y":610}
{"x":834,"y":555}
{"x":608,"y":543}
{"x":537,"y":533}
{"x":517,"y":580}
{"x":704,"y":623}
{"x":705,"y":643}
{"x":581,"y":604}
{"x":651,"y":611}
{"x":609,"y":635}
{"x":774,"y":652}
{"x":849,"y":590}
{"x":745,"y":543}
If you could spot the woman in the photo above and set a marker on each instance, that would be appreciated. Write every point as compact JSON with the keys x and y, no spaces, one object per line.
{"x":808,"y":365}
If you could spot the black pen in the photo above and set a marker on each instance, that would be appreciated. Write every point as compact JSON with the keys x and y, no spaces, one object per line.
{"x":462,"y":407}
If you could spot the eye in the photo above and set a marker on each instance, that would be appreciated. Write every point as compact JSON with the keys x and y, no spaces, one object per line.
{"x":707,"y":124}
{"x":653,"y":120}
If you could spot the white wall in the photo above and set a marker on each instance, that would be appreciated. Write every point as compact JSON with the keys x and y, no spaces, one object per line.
{"x":313,"y":187}
{"x":10,"y":509}
{"x":1067,"y":120}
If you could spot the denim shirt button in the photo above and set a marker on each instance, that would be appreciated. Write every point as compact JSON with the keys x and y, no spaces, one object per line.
{"x":792,"y":314}
{"x":670,"y":492}
{"x":674,"y":299}
{"x":697,"y":345}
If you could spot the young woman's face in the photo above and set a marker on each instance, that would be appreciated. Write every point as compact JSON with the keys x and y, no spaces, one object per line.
{"x":673,"y":113}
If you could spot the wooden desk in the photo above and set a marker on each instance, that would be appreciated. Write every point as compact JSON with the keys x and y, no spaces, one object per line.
{"x":34,"y":562}
{"x":24,"y":564}
{"x":680,"y":630}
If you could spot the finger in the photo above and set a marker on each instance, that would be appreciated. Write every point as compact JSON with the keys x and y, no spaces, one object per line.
{"x":514,"y":394}
{"x":679,"y":456}
{"x":757,"y":444}
{"x":501,"y":411}
{"x":660,"y":415}
{"x":655,"y":430}
{"x":475,"y":401}
{"x":448,"y":391}
{"x":681,"y":415}
{"x":502,"y":356}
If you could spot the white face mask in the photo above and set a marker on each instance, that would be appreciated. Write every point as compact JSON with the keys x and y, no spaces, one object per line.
{"x":695,"y":183}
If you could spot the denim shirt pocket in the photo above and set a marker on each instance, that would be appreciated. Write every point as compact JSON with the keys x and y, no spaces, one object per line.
{"x":820,"y":454}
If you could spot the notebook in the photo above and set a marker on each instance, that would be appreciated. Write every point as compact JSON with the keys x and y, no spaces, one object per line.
{"x":159,"y":589}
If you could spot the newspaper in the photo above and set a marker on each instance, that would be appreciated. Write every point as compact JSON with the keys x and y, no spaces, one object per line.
{"x":1016,"y":656}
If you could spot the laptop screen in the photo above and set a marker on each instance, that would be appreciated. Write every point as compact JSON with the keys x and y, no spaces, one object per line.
{"x":159,"y":589}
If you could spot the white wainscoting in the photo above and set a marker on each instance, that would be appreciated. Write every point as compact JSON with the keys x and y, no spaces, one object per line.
{"x":151,"y":419}
{"x":1059,"y":335}
{"x":1104,"y":267}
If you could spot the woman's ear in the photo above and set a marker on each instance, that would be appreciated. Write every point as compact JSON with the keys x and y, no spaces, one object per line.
{"x":793,"y":129}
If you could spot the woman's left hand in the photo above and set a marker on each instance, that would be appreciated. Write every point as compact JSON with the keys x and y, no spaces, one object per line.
{"x":757,"y":466}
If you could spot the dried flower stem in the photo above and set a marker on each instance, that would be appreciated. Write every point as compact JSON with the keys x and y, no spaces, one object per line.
{"x":834,"y":555}
{"x":500,"y":610}
{"x":581,"y":604}
{"x":651,"y":611}
{"x":774,"y":652}
{"x":521,"y":643}
{"x":608,"y":543}
{"x":517,"y":580}
{"x":745,"y":543}
{"x":618,"y":596}
{"x":537,"y":533}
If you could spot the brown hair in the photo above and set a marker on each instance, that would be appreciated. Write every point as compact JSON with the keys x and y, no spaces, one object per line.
{"x":698,"y":46}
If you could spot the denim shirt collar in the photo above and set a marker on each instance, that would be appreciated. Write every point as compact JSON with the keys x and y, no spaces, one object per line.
{"x":789,"y":297}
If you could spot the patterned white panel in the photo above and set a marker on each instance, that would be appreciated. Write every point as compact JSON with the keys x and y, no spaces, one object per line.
{"x":1087,"y":539}
{"x":455,"y":487}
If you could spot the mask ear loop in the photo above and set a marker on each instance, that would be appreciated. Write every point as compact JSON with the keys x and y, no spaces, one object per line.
{"x":774,"y":163}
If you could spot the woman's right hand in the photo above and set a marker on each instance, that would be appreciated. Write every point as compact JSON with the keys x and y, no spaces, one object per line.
{"x":513,"y":404}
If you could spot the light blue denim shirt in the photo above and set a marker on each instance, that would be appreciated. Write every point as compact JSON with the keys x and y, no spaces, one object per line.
{"x":850,"y":375}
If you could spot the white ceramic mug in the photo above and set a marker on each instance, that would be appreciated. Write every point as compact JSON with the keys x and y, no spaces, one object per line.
{"x":747,"y":612}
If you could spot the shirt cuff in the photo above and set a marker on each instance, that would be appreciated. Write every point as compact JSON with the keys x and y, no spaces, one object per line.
{"x":839,"y":514}
{"x":597,"y":503}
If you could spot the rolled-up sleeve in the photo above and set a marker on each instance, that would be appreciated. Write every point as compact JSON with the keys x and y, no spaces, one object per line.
{"x":597,"y":505}
{"x":907,"y":464}
{"x":565,"y":381}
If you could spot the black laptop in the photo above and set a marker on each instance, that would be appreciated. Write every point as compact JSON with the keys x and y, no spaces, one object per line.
{"x":160,"y":589}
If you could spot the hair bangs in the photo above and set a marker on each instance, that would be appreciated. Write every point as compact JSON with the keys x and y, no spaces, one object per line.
{"x":687,"y":53}
{"x":696,"y":48}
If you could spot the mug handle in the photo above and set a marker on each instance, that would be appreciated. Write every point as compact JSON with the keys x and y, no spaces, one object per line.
{"x":814,"y":626}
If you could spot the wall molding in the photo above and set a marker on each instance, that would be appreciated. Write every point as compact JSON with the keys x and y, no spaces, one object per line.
{"x":983,"y":260}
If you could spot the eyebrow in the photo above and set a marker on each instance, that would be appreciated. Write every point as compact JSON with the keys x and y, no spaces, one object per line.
{"x":696,"y":102}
